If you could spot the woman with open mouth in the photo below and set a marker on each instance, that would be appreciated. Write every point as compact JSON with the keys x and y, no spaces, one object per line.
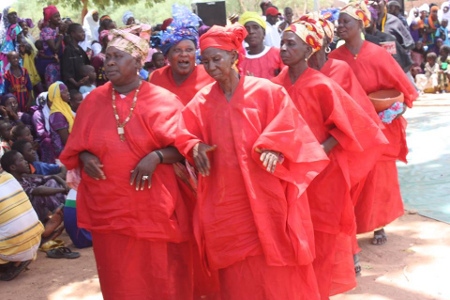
{"x":179,"y":45}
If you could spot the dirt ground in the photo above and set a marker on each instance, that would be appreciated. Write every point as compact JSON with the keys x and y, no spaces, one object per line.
{"x":413,"y":265}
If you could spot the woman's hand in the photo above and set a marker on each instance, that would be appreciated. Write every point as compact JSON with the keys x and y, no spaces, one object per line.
{"x":270,"y":160}
{"x":201,"y":158}
{"x":82,"y":81}
{"x":12,"y":114}
{"x":92,"y":165}
{"x":144,"y":171}
{"x":3,"y":111}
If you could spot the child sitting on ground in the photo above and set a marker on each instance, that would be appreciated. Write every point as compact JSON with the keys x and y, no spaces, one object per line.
{"x":36,"y":166}
{"x":89,"y":85}
{"x":429,"y":80}
{"x":444,"y":68}
{"x":46,"y":193}
{"x":18,"y":82}
{"x":21,"y":132}
{"x":76,"y":97}
{"x":5,"y":136}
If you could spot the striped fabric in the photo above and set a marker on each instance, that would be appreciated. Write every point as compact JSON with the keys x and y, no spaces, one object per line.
{"x":20,"y":229}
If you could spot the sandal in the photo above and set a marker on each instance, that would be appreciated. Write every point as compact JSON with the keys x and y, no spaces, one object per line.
{"x":62,"y":252}
{"x":14,"y":271}
{"x":379,"y":237}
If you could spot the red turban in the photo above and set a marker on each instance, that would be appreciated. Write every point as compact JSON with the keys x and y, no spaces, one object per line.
{"x":225,"y":38}
{"x":49,"y":11}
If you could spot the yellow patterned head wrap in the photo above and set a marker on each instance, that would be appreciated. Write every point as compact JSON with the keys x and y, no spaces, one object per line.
{"x":309,"y":30}
{"x":58,"y":104}
{"x":251,"y":16}
{"x":358,"y":11}
{"x":131,"y":40}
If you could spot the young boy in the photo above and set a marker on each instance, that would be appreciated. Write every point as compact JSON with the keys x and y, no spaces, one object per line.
{"x":21,"y":132}
{"x":442,"y":32}
{"x":429,"y":80}
{"x":5,"y":136}
{"x":36,"y":166}
{"x":17,"y":82}
{"x":89,"y":85}
{"x":46,"y":193}
{"x":76,"y":98}
{"x":444,"y":68}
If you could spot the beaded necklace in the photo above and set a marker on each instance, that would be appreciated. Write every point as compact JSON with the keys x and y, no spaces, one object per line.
{"x":121,"y":126}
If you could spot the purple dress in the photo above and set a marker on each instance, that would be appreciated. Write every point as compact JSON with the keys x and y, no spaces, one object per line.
{"x":43,"y":205}
{"x":57,"y":122}
{"x":52,"y":69}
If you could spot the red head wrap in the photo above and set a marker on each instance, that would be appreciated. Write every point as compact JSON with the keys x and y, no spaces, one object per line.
{"x":49,"y":11}
{"x":225,"y":38}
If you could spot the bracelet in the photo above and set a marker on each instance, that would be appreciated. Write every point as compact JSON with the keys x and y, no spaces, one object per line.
{"x":161,"y":157}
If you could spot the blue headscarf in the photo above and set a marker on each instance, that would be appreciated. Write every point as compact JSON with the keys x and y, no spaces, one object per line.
{"x":183,"y":27}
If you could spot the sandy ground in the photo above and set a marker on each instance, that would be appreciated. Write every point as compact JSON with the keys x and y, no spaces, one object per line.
{"x":413,"y":265}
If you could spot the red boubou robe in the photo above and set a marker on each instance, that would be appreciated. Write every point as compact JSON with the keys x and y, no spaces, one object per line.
{"x":244,"y":213}
{"x":331,"y":112}
{"x":125,"y":221}
{"x":380,"y":202}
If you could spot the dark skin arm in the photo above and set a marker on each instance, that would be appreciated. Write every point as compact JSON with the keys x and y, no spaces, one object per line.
{"x":55,"y":44}
{"x":63,"y":173}
{"x":61,"y":181}
{"x":78,"y":83}
{"x":63,"y":134}
{"x":47,"y":191}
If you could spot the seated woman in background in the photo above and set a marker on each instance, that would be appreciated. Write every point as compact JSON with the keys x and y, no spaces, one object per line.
{"x":61,"y":115}
{"x":41,"y":126}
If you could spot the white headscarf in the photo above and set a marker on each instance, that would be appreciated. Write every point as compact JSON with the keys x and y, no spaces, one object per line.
{"x":424,"y":7}
{"x":411,"y":16}
{"x":443,"y":15}
{"x":91,"y":27}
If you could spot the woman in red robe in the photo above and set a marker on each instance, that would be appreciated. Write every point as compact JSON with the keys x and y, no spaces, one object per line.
{"x":128,"y":195}
{"x":379,"y":201}
{"x":256,"y":156}
{"x":343,"y":75}
{"x":343,"y":128}
{"x":179,"y":44}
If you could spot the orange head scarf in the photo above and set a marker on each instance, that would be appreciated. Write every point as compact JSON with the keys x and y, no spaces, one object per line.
{"x":226,"y":38}
{"x":309,"y":30}
{"x":431,"y":22}
{"x":358,"y":11}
